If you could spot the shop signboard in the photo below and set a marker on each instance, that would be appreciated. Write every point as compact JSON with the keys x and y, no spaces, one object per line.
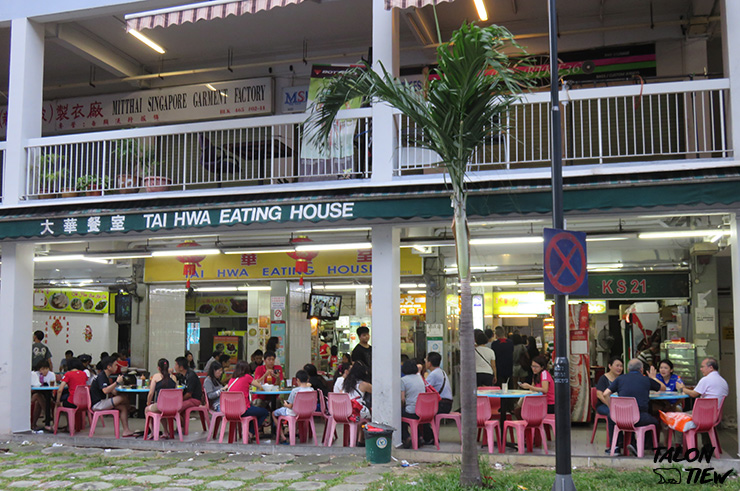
{"x":413,"y":304}
{"x":513,"y":303}
{"x":228,"y":345}
{"x":223,"y":306}
{"x":216,"y":100}
{"x":71,"y":300}
{"x":638,"y":285}
{"x":275,"y":265}
{"x":277,"y":329}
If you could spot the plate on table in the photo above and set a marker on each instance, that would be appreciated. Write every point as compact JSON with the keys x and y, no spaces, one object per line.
{"x":59,"y":300}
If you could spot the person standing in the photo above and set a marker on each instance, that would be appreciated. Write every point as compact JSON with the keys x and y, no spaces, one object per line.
{"x":39,"y":351}
{"x":504,"y":349}
{"x":485,"y":361}
{"x":101,"y":390}
{"x":363,"y":352}
{"x":193,"y":391}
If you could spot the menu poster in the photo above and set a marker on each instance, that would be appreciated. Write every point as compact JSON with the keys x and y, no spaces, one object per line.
{"x":221,"y":306}
{"x":70,"y":300}
{"x":228,"y":345}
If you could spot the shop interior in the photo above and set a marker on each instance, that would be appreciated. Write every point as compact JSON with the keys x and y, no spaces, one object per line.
{"x":234,"y":312}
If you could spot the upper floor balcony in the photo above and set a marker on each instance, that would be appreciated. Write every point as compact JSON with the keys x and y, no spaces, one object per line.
{"x":610,"y":130}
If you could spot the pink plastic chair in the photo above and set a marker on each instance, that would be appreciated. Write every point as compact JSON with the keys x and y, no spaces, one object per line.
{"x":704,"y":417}
{"x":454,"y":416}
{"x":485,"y":423}
{"x":426,"y":409}
{"x":81,"y":399}
{"x":340,"y":409}
{"x":322,"y":412}
{"x":169,"y":403}
{"x":304,"y":406}
{"x":534,"y":410}
{"x":216,"y":417}
{"x":598,"y":417}
{"x":202,"y":409}
{"x":97,"y":415}
{"x":495,"y":403}
{"x":233,"y":405}
{"x":716,"y":424}
{"x":549,"y":423}
{"x":625,"y":413}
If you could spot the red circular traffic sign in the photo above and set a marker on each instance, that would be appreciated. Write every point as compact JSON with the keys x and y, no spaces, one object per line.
{"x":575,"y":249}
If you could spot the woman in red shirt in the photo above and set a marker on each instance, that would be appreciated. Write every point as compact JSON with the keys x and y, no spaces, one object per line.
{"x":542,"y":382}
{"x":74,"y":378}
{"x":240,"y":382}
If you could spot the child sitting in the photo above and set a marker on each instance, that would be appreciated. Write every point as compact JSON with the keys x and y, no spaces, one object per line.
{"x":287,"y":409}
{"x":41,"y":377}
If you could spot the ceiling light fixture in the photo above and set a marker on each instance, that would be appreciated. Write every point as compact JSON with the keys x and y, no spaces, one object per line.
{"x":506,"y":240}
{"x":481,"y":8}
{"x":474,"y":269}
{"x":334,"y":247}
{"x":332,"y":230}
{"x":159,"y":49}
{"x":190,"y":251}
{"x":65,"y":257}
{"x":494,"y":283}
{"x":117,"y":255}
{"x":682,"y":234}
{"x":254,"y":288}
{"x":417,"y":292}
{"x":341,"y":287}
{"x":259,"y":250}
{"x":517,"y":315}
{"x":216,"y":289}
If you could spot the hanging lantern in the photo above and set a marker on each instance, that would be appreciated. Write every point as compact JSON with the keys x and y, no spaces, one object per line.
{"x":189,"y":262}
{"x":302,"y":258}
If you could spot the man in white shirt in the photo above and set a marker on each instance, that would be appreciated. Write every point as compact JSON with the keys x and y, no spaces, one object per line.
{"x":711,"y":385}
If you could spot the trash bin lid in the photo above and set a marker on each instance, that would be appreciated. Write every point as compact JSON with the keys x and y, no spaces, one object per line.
{"x":378,"y":427}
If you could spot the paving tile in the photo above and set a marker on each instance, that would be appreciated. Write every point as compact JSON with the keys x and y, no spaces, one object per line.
{"x":88,"y":451}
{"x":195,"y":464}
{"x":299,"y":468}
{"x":348,"y":487}
{"x":313,"y":459}
{"x":126,"y":462}
{"x":362,"y":478}
{"x":243,"y":457}
{"x":116,"y":477}
{"x":58,"y":450}
{"x":132,"y":488}
{"x":47,"y":474}
{"x":152,"y":479}
{"x":211,"y":456}
{"x":307,"y":485}
{"x":175,"y":471}
{"x":187,"y":482}
{"x":18,"y":472}
{"x":347,"y":459}
{"x":284,"y":476}
{"x":92,"y":486}
{"x":70,"y":466}
{"x":324,"y":476}
{"x":277,"y":459}
{"x":266,"y":486}
{"x":85,"y":474}
{"x":245,"y":475}
{"x":144,"y":469}
{"x":208,"y":473}
{"x":339,"y":467}
{"x":171,"y":488}
{"x":55,"y":484}
{"x":145,"y":454}
{"x":117,"y":452}
{"x":224,"y":484}
{"x":261,"y":466}
{"x":24,"y":484}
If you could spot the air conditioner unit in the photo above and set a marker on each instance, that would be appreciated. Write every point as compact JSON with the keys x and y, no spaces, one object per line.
{"x":704,"y":249}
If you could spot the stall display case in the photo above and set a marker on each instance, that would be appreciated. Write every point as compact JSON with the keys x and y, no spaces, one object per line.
{"x":683,"y":357}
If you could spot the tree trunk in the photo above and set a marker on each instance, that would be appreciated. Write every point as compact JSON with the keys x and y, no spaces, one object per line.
{"x":470,"y":471}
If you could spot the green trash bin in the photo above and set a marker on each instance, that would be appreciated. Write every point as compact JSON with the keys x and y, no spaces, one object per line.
{"x":378,"y":442}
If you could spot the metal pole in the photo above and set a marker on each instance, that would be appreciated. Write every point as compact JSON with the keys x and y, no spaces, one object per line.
{"x":563,"y":477}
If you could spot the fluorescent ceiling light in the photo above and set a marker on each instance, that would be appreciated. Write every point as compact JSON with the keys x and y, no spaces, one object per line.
{"x":612,"y":266}
{"x":682,"y":234}
{"x":186,"y":251}
{"x":253,"y":288}
{"x":118,"y":255}
{"x":216,"y":289}
{"x":531,"y":283}
{"x":259,"y":250}
{"x":607,"y":238}
{"x":66,"y":257}
{"x":95,"y":260}
{"x":517,"y":315}
{"x":716,"y":238}
{"x":332,"y":230}
{"x":159,"y":49}
{"x":412,"y":285}
{"x":481,"y":8}
{"x":417,"y":292}
{"x":474,"y":269}
{"x":506,"y":240}
{"x":184,"y":237}
{"x":431,"y":243}
{"x":333,"y":247}
{"x":341,"y":287}
{"x":494,"y":283}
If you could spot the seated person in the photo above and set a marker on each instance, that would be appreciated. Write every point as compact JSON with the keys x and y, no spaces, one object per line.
{"x":711,"y":384}
{"x":669,"y":379}
{"x":101,"y":390}
{"x":214,"y":357}
{"x":268,"y":373}
{"x":615,"y":369}
{"x":342,"y":372}
{"x":634,"y":384}
{"x":412,"y":384}
{"x":317,"y":382}
{"x":240,"y":382}
{"x":438,"y":379}
{"x":163,"y":379}
{"x":256,"y":360}
{"x":64,"y":365}
{"x":41,"y":377}
{"x":542,"y":382}
{"x":213,"y":387}
{"x":73,"y":379}
{"x":193,"y":391}
{"x":287,"y":410}
{"x":225,"y":362}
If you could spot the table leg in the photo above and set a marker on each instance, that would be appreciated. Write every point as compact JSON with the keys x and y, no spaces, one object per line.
{"x":47,"y":396}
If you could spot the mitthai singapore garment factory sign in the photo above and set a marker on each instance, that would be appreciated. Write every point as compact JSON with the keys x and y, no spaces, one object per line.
{"x":218,"y":100}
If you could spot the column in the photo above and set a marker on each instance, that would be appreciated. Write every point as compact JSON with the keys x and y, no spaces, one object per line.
{"x":386,"y":327}
{"x":25,"y":97}
{"x":735,"y":261}
{"x":299,"y":327}
{"x":730,"y":49}
{"x":16,"y":304}
{"x":385,"y":51}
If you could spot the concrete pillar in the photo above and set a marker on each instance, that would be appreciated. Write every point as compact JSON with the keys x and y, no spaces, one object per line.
{"x":360,"y":302}
{"x":731,"y":61}
{"x":735,"y":261}
{"x":704,"y":305}
{"x":166,"y":324}
{"x":16,"y":304}
{"x":299,"y":327}
{"x":25,"y":98}
{"x":386,"y":327}
{"x":385,"y":52}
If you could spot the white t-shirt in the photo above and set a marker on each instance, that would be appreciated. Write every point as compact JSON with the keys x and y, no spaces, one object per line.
{"x":338,"y":384}
{"x":713,"y":386}
{"x":483,"y":358}
{"x":291,"y":397}
{"x":37,"y":380}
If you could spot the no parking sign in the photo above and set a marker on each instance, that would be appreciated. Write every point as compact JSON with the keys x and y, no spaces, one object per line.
{"x":565,"y":262}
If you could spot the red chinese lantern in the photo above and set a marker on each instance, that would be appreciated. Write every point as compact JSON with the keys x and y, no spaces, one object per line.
{"x":189,"y":262}
{"x":302,"y":258}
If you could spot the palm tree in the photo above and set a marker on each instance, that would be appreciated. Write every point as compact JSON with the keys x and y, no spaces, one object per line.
{"x":477,"y":83}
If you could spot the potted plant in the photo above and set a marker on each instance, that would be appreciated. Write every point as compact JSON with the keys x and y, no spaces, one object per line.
{"x":153,"y":180}
{"x":92,"y":185}
{"x":49,"y":175}
{"x":126,"y":155}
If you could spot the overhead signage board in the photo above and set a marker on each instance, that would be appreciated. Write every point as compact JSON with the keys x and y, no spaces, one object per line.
{"x":200,"y":102}
{"x":638,"y":285}
{"x":71,"y":300}
{"x":275,"y":265}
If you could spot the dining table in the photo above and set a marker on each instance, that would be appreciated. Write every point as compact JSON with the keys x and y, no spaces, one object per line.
{"x":47,"y":392}
{"x":667,"y":395}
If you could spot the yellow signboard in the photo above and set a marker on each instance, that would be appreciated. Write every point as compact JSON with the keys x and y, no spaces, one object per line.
{"x":69,"y":300}
{"x":413,"y":304}
{"x":221,"y":306}
{"x":513,"y":303}
{"x":274,"y":266}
